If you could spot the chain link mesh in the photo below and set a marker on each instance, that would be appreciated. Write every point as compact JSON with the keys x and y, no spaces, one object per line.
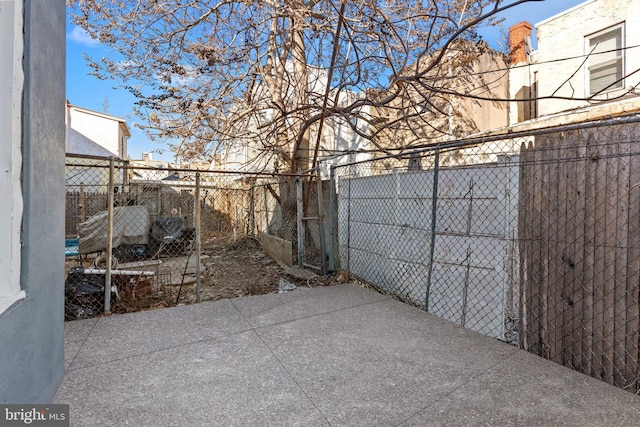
{"x":154,"y":231}
{"x":533,"y":240}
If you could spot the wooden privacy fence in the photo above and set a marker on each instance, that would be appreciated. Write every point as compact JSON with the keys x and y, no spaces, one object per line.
{"x":80,"y":206}
{"x":579,"y":231}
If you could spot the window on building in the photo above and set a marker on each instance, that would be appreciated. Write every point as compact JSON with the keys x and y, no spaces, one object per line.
{"x":606,"y":60}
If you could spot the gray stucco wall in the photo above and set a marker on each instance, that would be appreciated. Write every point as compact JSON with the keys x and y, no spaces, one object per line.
{"x":32,"y":332}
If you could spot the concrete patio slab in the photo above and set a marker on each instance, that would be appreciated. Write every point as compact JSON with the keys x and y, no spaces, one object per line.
{"x":75,"y":335}
{"x":374,"y":364}
{"x":119,"y":336}
{"x":340,"y":355}
{"x":232,"y":380}
{"x":527,"y":390}
{"x":276,"y":308}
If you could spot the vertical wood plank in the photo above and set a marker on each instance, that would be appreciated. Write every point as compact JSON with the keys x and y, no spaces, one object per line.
{"x":600,"y":191}
{"x":610,"y":254}
{"x":554,"y":233}
{"x":632,"y":297}
{"x":569,"y":297}
{"x":542,"y":241}
{"x":581,"y":308}
{"x":589,"y":253}
{"x":622,"y":232}
{"x":524,"y":245}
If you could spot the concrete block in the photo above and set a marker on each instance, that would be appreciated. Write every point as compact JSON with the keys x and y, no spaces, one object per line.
{"x":415,"y":212}
{"x":416,"y":185}
{"x":411,"y":281}
{"x":485,"y":303}
{"x":452,"y":215}
{"x":488,"y":217}
{"x":451,"y":249}
{"x":278,"y":249}
{"x":416,"y":245}
{"x":446,"y":293}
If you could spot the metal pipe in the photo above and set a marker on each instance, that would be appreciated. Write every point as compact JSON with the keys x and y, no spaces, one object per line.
{"x":434,"y":209}
{"x":299,"y":217}
{"x":197,"y":242}
{"x":109,"y":254}
{"x":252,"y":209}
{"x":471,"y":142}
{"x":332,"y":193}
{"x":321,"y":224}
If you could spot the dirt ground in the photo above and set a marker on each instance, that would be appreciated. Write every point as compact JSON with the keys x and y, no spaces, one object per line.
{"x":241,"y":268}
{"x":229,"y":270}
{"x":235,"y":269}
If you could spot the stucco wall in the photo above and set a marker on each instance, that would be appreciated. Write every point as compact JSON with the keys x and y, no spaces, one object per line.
{"x":32,"y":332}
{"x":563,"y":36}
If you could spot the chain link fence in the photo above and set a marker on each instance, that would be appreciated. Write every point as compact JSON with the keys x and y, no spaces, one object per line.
{"x":530,"y":238}
{"x":161,"y":222}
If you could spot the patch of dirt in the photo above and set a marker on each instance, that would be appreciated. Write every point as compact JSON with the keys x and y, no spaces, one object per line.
{"x":241,"y":268}
{"x":229,"y":270}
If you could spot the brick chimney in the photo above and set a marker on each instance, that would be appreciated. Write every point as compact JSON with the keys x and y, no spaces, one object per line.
{"x":518,"y":35}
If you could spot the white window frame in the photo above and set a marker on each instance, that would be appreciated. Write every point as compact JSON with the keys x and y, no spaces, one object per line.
{"x":11,"y":84}
{"x":593,"y":62}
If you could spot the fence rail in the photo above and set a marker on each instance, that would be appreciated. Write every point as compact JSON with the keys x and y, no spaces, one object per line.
{"x":533,"y":239}
{"x":161,"y":221}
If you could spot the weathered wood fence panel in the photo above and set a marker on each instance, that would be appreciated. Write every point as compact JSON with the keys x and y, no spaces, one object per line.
{"x":80,"y":206}
{"x":579,"y":230}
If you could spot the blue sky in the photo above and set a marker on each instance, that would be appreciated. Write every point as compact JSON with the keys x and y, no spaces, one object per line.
{"x":89,"y":92}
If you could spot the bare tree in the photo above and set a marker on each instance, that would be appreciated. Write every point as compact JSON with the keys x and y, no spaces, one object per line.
{"x":213,"y":72}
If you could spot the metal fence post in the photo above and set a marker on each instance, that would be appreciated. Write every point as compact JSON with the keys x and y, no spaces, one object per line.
{"x":197,"y":242}
{"x":109,"y":254}
{"x":332,"y":193}
{"x":299,"y":215}
{"x":252,"y":209}
{"x":321,"y":223}
{"x":434,"y":209}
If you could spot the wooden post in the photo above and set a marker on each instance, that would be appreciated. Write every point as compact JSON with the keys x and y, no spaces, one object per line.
{"x":158,"y":201}
{"x":83,"y":204}
{"x":197,"y":242}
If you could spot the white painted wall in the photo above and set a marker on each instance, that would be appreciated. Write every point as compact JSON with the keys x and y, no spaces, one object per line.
{"x":564,"y":36}
{"x":11,"y":83}
{"x":247,"y":154}
{"x":338,"y":137}
{"x":94,"y":134}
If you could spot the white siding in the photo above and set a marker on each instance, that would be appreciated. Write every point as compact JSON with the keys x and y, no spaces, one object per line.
{"x":93,"y":135}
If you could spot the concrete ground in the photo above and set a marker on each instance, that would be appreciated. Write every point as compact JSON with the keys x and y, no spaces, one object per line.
{"x":340,"y":355}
